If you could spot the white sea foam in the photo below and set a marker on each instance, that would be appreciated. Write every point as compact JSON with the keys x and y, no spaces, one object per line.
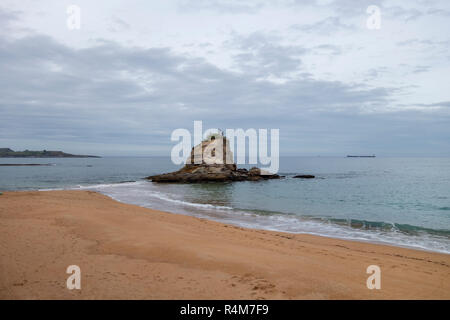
{"x":107,"y":185}
{"x":50,"y":189}
{"x":186,"y":203}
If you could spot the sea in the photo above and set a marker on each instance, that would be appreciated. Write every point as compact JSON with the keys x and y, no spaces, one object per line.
{"x":397,"y":201}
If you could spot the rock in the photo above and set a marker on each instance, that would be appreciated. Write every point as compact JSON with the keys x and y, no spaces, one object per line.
{"x":212,"y":161}
{"x":305,"y":176}
{"x":211,"y":173}
{"x":254,"y":172}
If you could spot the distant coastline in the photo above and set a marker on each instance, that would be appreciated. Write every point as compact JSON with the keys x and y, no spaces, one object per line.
{"x":361,"y":156}
{"x":9,"y":153}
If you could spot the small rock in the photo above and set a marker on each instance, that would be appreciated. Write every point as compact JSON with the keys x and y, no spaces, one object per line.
{"x":305,"y":176}
{"x":254,"y":171}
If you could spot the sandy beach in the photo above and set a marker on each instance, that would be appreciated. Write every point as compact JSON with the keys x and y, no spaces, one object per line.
{"x":128,"y":252}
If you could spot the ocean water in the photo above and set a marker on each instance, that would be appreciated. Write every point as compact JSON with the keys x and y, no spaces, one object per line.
{"x":397,"y":201}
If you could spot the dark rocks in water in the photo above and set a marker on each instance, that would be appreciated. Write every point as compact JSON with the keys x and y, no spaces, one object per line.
{"x":23,"y":164}
{"x":304,"y":176}
{"x":192,"y":173}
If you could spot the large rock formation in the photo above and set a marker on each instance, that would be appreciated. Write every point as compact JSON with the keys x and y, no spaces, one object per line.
{"x":212,"y":161}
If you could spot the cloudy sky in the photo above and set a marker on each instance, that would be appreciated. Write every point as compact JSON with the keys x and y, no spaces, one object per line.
{"x":136,"y":70}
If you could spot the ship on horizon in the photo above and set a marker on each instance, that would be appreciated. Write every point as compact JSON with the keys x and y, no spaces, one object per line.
{"x":361,"y":156}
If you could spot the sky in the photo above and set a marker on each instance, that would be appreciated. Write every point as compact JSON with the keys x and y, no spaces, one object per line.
{"x":134,"y":71}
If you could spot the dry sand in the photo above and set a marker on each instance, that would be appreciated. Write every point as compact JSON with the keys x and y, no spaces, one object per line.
{"x":129,"y":252}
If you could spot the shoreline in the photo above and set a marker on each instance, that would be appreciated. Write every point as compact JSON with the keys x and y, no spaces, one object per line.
{"x":261,"y":227}
{"x":236,"y":224}
{"x":126,"y":251}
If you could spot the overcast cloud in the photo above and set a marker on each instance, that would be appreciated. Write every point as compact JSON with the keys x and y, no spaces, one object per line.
{"x":137,"y":70}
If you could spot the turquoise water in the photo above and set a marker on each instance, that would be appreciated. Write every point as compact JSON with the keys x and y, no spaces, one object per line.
{"x":400,"y":201}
